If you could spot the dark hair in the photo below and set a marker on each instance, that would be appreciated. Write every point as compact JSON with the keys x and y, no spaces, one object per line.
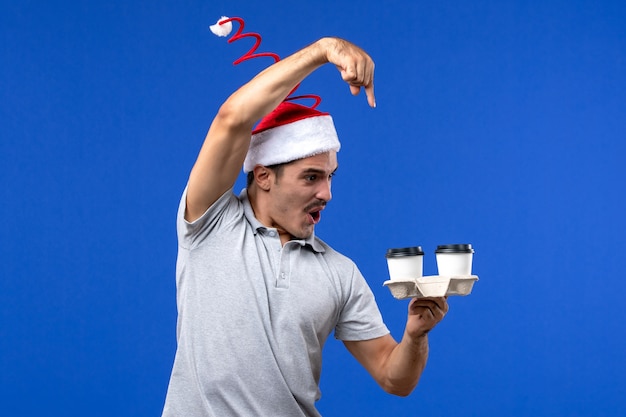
{"x":277,"y":168}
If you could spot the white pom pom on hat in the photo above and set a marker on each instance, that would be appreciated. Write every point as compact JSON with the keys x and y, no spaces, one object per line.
{"x":288,"y":133}
{"x":222,"y":30}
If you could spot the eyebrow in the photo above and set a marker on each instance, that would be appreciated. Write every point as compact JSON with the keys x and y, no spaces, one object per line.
{"x":316,"y":171}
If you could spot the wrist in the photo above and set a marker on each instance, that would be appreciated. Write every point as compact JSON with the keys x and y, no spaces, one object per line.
{"x":324,"y":47}
{"x":416,"y":341}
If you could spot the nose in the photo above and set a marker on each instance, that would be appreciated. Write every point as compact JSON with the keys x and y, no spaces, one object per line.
{"x":323,"y":192}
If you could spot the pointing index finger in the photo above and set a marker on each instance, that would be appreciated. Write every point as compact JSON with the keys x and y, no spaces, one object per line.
{"x":369,"y":92}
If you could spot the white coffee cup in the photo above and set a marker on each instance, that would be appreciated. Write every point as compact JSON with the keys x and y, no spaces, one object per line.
{"x":405,"y":263}
{"x":454,"y":260}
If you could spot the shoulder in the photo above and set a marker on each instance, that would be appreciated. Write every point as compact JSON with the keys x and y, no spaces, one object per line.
{"x":342,"y":263}
{"x":226,"y":210}
{"x":327,"y":250}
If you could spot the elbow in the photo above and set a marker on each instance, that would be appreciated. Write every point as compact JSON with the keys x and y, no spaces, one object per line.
{"x":399,"y":389}
{"x":228,"y":115}
{"x":236,"y":113}
{"x":401,"y":392}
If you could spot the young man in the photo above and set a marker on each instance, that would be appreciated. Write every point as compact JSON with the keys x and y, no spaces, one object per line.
{"x":257,"y":292}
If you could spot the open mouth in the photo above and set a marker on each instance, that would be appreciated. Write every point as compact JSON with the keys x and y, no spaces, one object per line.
{"x":314,"y":212}
{"x":315,"y":216}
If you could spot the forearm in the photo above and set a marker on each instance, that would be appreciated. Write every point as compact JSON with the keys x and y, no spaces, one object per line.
{"x":405,"y":365}
{"x":271,"y":86}
{"x":407,"y":360}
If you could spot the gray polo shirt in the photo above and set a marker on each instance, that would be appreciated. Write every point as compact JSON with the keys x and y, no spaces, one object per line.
{"x":253,"y":315}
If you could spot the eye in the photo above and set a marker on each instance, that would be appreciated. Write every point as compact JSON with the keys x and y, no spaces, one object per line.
{"x":311,"y":177}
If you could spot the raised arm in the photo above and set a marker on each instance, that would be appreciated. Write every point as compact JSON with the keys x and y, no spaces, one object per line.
{"x":397,"y":367}
{"x":227,"y":141}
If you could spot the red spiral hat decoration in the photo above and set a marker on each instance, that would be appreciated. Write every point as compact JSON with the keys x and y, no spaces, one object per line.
{"x":252,"y":53}
{"x":291,"y":131}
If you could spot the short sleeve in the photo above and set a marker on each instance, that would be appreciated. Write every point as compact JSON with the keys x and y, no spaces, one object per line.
{"x":360,"y":318}
{"x":192,"y":234}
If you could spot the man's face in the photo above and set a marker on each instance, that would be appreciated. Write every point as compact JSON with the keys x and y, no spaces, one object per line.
{"x":299,"y":193}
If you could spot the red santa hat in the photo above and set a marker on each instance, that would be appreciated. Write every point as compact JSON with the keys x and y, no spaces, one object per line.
{"x":290,"y":132}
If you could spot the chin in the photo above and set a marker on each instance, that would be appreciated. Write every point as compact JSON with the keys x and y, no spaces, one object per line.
{"x":304,"y":234}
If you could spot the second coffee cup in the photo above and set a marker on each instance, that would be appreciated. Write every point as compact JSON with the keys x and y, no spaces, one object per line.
{"x":405,"y":263}
{"x":454,"y":260}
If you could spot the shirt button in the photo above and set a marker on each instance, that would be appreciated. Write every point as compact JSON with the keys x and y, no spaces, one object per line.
{"x":282,"y":275}
{"x":272,"y":233}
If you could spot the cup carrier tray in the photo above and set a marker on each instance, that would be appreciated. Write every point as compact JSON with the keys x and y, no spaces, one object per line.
{"x":431,"y":286}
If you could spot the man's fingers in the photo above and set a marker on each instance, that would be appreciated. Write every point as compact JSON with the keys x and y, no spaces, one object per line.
{"x":441,"y":302}
{"x":369,"y":85}
{"x":355,"y":72}
{"x":361,"y":73}
{"x":349,"y":75}
{"x":438,"y":307}
{"x":422,"y":311}
{"x":369,"y":92}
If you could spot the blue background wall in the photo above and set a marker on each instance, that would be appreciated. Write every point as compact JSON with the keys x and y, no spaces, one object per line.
{"x":499,"y":123}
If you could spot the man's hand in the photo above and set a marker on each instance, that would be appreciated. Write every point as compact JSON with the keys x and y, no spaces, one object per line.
{"x":424,"y":314}
{"x":354,"y":64}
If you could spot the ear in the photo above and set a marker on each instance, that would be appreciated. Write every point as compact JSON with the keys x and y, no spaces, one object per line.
{"x":263,"y":177}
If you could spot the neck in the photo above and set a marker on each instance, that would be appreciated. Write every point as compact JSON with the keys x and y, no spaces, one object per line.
{"x":256,"y":197}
